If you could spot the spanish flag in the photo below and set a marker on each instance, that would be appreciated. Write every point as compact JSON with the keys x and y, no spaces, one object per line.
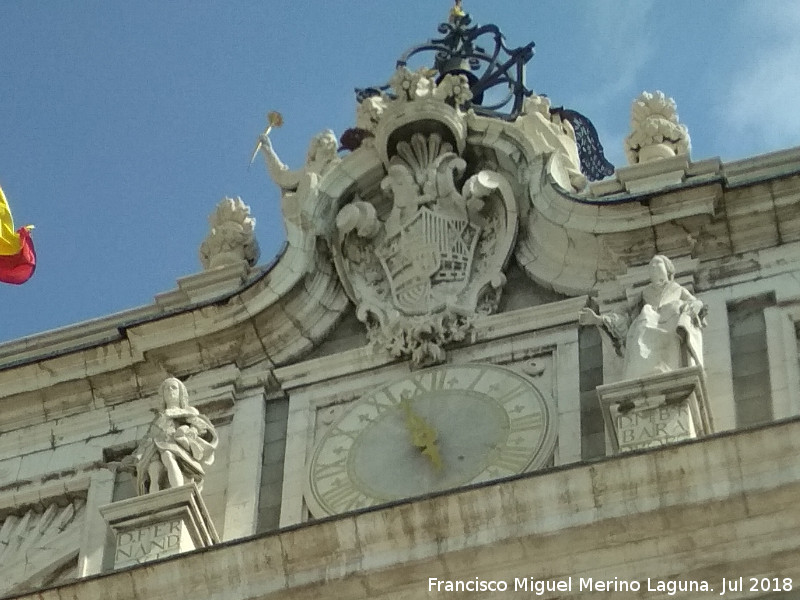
{"x":17,"y":256}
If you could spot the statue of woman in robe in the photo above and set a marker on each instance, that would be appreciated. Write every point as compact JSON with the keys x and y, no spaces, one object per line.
{"x":666,"y":332}
{"x":177,"y":446}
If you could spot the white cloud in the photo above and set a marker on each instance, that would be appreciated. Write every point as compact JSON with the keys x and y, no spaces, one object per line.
{"x":616,"y":50}
{"x":620,"y":46}
{"x":761,"y":110}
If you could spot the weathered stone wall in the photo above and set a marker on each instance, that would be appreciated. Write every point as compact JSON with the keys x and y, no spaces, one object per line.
{"x":697,"y":511}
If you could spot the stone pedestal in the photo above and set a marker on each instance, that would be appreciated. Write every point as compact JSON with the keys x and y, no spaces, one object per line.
{"x":204,"y":286}
{"x":159,"y":525}
{"x":656,"y":410}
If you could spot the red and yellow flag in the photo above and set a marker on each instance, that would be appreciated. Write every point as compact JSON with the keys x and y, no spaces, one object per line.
{"x":17,"y":256}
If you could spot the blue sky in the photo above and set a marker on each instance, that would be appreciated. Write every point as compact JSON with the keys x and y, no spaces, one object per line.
{"x":124,"y":123}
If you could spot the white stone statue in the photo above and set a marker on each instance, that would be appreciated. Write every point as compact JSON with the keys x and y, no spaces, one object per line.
{"x":299,"y":187}
{"x":665,"y":331}
{"x":231,"y":239}
{"x":177,"y":446}
{"x":656,"y":132}
{"x":550,"y":134}
{"x":369,"y":112}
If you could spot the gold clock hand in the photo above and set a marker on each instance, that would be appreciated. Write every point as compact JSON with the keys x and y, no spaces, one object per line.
{"x":423,"y":436}
{"x":432,"y":452}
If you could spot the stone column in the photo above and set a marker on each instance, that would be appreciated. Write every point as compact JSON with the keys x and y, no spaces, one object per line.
{"x":244,"y":470}
{"x":95,"y":533}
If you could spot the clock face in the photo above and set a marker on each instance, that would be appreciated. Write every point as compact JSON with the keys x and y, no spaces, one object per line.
{"x":433,"y":430}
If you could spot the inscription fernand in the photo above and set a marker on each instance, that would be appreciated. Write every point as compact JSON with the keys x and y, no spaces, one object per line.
{"x":149,"y":543}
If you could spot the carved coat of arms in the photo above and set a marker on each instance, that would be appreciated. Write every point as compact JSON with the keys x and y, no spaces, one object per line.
{"x":421,"y":267}
{"x":428,"y":260}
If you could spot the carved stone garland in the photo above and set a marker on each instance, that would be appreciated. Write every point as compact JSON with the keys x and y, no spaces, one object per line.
{"x":420,"y":272}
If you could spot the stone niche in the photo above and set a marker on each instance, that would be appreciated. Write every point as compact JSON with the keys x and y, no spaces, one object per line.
{"x":655,"y":410}
{"x":159,"y":525}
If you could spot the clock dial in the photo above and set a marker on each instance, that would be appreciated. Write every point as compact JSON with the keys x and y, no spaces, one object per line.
{"x":433,"y":430}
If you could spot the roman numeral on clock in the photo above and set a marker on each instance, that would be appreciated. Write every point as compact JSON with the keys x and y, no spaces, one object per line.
{"x":513,"y":460}
{"x":342,"y":496}
{"x":513,"y":394}
{"x":526,"y":422}
{"x":328,"y":470}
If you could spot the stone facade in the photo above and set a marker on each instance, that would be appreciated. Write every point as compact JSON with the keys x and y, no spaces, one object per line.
{"x":446,"y":246}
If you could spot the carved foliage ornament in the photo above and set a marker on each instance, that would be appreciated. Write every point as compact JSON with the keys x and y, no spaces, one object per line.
{"x":656,"y":131}
{"x":231,"y":239}
{"x":421,"y":266}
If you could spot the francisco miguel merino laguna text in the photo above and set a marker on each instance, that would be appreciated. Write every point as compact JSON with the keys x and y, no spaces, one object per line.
{"x":582,"y":584}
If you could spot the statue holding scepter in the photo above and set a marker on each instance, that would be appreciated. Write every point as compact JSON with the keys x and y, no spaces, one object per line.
{"x":274,"y":119}
{"x":300,"y":185}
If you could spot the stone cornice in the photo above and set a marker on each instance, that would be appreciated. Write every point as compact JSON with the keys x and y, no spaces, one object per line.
{"x":274,"y":319}
{"x":573,"y":242}
{"x":487,"y":328}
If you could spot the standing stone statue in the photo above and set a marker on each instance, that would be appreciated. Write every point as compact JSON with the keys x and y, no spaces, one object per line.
{"x":664,"y":333}
{"x":299,"y":186}
{"x":177,"y":446}
{"x":549,"y":133}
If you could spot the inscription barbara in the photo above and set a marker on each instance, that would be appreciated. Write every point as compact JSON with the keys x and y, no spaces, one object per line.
{"x":148,"y":543}
{"x":654,"y":426}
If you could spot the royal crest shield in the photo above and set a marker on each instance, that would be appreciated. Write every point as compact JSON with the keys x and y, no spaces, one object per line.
{"x":428,"y":261}
{"x":421,"y":269}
